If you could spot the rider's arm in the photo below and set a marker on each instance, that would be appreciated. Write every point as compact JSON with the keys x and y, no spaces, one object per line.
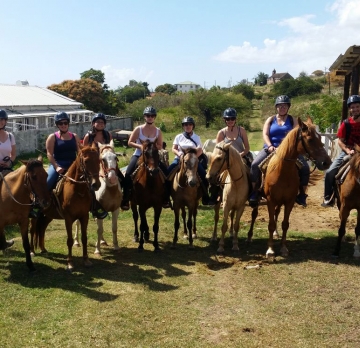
{"x":50,"y":145}
{"x":341,"y":142}
{"x":86,"y":139}
{"x":219,"y":136}
{"x":266,"y":134}
{"x":245,"y":142}
{"x":133,"y":137}
{"x":77,"y":142}
{"x":159,"y":142}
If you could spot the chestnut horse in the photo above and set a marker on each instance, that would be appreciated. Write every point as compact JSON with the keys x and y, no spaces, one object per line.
{"x":226,"y":159}
{"x":148,"y":191}
{"x":109,"y":195}
{"x":281,"y":182}
{"x":74,"y":201}
{"x":186,"y":192}
{"x":19,"y":191}
{"x":348,"y":199}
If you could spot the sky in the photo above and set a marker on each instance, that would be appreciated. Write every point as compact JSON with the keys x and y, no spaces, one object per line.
{"x":208,"y":42}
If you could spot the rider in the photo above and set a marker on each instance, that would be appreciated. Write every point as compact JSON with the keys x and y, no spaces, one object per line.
{"x":274,"y":131}
{"x":61,"y":148}
{"x":98,"y":133}
{"x":148,"y":131}
{"x":348,"y":135}
{"x":7,"y":151}
{"x":185,"y":140}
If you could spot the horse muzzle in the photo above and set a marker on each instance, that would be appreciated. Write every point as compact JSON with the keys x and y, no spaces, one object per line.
{"x":323,"y":165}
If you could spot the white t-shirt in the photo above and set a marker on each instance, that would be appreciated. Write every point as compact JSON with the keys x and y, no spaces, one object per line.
{"x":184,"y":143}
{"x":6,"y":147}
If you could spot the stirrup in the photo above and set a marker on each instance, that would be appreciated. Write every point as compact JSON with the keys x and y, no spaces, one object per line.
{"x":100,"y":214}
{"x":125,"y":205}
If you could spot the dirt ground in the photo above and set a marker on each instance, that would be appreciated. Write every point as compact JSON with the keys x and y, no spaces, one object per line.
{"x":312,"y":218}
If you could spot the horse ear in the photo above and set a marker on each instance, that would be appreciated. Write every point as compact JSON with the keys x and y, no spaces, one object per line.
{"x":226,"y":146}
{"x":309,"y":120}
{"x":112,"y":143}
{"x":40,"y":158}
{"x":24,"y":162}
{"x":302,"y":125}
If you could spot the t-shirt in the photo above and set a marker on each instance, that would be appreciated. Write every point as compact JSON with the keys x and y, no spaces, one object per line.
{"x":354,"y":137}
{"x":182,"y":142}
{"x":6,"y":146}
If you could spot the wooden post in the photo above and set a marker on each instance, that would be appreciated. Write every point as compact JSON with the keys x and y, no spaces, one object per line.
{"x":355,"y":80}
{"x":344,"y":113}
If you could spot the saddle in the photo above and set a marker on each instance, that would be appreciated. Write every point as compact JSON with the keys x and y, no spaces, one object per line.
{"x":343,"y":170}
{"x":134,"y":174}
{"x":56,"y":193}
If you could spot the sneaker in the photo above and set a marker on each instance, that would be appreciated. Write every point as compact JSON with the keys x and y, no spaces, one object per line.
{"x":125,"y":205}
{"x":166,"y":205}
{"x":100,"y":214}
{"x":34,"y":213}
{"x":301,"y":199}
{"x":328,"y":203}
{"x":254,"y":199}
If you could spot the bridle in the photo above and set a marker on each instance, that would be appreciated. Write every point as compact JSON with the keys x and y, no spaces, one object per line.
{"x":106,"y":170}
{"x":182,"y":172}
{"x":227,"y":161}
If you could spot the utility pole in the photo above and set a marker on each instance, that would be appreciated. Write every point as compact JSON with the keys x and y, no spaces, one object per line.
{"x":328,"y":77}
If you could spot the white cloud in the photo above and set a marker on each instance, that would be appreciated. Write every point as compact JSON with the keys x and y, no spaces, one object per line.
{"x":121,"y":77}
{"x":307,"y":46}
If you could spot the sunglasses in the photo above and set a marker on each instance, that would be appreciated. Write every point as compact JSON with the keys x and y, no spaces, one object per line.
{"x":152,"y":116}
{"x":63,"y":123}
{"x":230,"y":119}
{"x":187,"y":124}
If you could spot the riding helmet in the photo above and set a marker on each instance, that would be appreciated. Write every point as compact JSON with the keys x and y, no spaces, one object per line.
{"x":99,"y":116}
{"x":3,"y":114}
{"x":229,"y":112}
{"x":353,"y":99}
{"x":149,"y":110}
{"x":61,"y":116}
{"x":188,"y":119}
{"x":283,"y":99}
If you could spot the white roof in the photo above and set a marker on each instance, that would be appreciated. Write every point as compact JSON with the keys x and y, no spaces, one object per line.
{"x":187,"y":83}
{"x":15,"y":95}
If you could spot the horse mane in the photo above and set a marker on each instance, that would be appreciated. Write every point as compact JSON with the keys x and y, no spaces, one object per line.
{"x":33,"y":163}
{"x":145,"y":147}
{"x":355,"y":163}
{"x":288,"y":144}
{"x":190,"y":150}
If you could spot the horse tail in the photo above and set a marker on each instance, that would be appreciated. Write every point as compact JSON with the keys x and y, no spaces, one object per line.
{"x":315,"y":176}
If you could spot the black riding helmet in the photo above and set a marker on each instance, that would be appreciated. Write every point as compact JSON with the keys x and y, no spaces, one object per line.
{"x":229,"y":113}
{"x":99,"y":116}
{"x":353,"y":99}
{"x":149,"y":110}
{"x":282,"y":99}
{"x":188,"y":119}
{"x":3,"y":114}
{"x":61,"y":116}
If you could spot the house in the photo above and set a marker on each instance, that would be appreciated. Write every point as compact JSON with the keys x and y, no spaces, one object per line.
{"x":187,"y":86}
{"x":33,"y":107}
{"x":277,"y":77}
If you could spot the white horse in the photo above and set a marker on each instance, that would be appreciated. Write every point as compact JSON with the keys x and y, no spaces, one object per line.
{"x":109,"y":195}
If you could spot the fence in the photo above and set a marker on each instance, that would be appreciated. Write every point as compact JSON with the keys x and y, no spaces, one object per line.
{"x":33,"y":140}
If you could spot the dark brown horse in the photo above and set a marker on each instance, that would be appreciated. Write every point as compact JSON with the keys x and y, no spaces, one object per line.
{"x":19,"y":191}
{"x":148,"y":192}
{"x":74,"y":200}
{"x":348,"y":199}
{"x":186,"y":193}
{"x":281,"y":183}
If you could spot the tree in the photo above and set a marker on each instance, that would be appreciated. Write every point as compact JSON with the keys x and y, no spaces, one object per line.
{"x":318,"y":73}
{"x":134,"y":91}
{"x":261,"y":78}
{"x":86,"y":91}
{"x":303,"y":74}
{"x":166,"y":88}
{"x":247,"y":91}
{"x":300,"y":86}
{"x":96,"y":75}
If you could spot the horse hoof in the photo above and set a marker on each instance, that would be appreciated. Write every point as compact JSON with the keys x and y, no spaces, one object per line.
{"x":76,"y":244}
{"x":32,"y":254}
{"x":43,"y":251}
{"x":194,"y":236}
{"x":69,"y":268}
{"x":191,"y":247}
{"x":97,"y":252}
{"x":103,"y":242}
{"x":116,"y":248}
{"x":136,"y":239}
{"x":185,"y":236}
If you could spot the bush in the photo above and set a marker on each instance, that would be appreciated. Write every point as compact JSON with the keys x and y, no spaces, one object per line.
{"x":301,"y":86}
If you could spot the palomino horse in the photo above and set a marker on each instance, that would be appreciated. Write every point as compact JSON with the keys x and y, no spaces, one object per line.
{"x":236,"y":188}
{"x":186,"y":192}
{"x":109,"y":195}
{"x":348,"y":199}
{"x":281,"y":183}
{"x":20,"y":190}
{"x":148,"y":191}
{"x":74,"y":201}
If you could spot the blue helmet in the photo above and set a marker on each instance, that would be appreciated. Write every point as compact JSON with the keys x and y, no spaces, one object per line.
{"x":229,"y":112}
{"x":353,"y":99}
{"x":283,"y":99}
{"x":149,"y":110}
{"x":61,"y":116}
{"x":99,"y":116}
{"x":3,"y":114}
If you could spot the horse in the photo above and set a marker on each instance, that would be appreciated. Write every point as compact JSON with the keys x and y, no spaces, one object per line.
{"x":281,"y":182}
{"x":348,"y":199}
{"x":109,"y":195}
{"x":73,"y":202}
{"x":186,"y":192}
{"x":227,"y":161}
{"x":148,"y":191}
{"x":19,"y":191}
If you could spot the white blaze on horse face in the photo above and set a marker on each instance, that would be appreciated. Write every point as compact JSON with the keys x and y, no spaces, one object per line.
{"x":191,"y":172}
{"x":110,"y":163}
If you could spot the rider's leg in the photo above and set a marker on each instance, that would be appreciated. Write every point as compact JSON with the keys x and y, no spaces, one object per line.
{"x":304,"y":174}
{"x":127,"y":183}
{"x":205,"y":186}
{"x":255,"y":177}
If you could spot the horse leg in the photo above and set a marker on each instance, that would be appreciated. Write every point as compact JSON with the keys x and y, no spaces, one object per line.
{"x":135,"y":215}
{"x":194,"y":224}
{"x":216,"y":221}
{"x":76,"y":235}
{"x":176,"y":224}
{"x":344,"y":214}
{"x":231,"y":230}
{"x":254,"y":215}
{"x":183,"y":216}
{"x":115,"y":215}
{"x":357,"y":235}
{"x":37,"y":232}
{"x":189,"y":227}
{"x":271,"y":228}
{"x":26,"y":244}
{"x":235,"y":243}
{"x":285,"y":226}
{"x":157,"y":213}
{"x":143,"y":227}
{"x":224,"y":228}
{"x":277,"y":212}
{"x":84,"y":224}
{"x":100,"y":230}
{"x":70,"y":242}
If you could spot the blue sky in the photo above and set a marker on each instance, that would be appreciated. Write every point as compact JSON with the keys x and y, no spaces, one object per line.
{"x":171,"y":41}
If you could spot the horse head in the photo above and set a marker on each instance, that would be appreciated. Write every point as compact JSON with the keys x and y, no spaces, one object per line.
{"x":150,"y":156}
{"x":311,"y":146}
{"x":90,"y":165}
{"x":219,"y":162}
{"x":109,"y":163}
{"x":189,"y":165}
{"x":35,"y":180}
